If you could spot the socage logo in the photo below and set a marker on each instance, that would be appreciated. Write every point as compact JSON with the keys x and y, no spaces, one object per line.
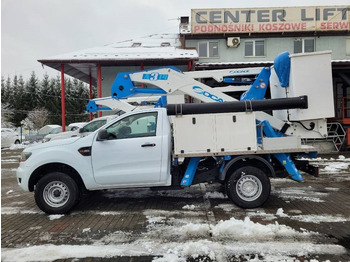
{"x":199,"y":90}
{"x":239,"y":71}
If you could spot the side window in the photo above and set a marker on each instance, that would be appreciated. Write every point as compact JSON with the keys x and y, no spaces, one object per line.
{"x":139,"y":125}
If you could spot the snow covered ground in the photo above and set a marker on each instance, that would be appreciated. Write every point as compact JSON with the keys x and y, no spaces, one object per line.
{"x":300,"y":222}
{"x":177,"y":239}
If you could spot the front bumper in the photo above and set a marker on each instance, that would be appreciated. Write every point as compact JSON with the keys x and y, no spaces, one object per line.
{"x":22,"y":177}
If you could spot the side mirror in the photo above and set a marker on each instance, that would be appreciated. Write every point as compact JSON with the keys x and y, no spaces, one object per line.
{"x":81,"y":130}
{"x":102,"y":135}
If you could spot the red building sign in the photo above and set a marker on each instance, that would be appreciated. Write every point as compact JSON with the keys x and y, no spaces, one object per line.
{"x":269,"y":20}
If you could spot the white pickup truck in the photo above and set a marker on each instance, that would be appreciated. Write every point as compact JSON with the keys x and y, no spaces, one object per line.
{"x":148,"y":148}
{"x":237,"y":143}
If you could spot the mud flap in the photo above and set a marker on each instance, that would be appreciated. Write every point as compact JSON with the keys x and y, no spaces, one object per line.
{"x":305,"y":166}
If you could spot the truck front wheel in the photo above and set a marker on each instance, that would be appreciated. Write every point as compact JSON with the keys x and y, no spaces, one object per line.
{"x":248,"y":187}
{"x":56,"y":193}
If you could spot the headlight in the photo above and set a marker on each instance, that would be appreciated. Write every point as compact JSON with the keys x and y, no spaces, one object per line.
{"x":25,"y":156}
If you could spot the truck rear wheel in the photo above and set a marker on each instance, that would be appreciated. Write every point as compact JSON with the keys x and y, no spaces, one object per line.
{"x":56,"y":193}
{"x":248,"y":187}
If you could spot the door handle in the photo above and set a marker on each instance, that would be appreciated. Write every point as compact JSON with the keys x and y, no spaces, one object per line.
{"x":148,"y":145}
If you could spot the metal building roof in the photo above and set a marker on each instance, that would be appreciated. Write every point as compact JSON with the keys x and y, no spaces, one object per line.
{"x":150,"y":50}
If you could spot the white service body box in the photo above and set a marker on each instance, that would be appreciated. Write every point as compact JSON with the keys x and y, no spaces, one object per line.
{"x":213,"y":134}
{"x":275,"y":143}
{"x":311,"y":75}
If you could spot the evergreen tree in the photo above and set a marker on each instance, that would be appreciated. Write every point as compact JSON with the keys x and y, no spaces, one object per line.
{"x":54,"y":101}
{"x":18,"y":100}
{"x":21,"y":97}
{"x":77,"y":100}
{"x":6,"y":108}
{"x":6,"y":91}
{"x":45,"y":95}
{"x":32,"y":87}
{"x":3,"y":90}
{"x":40,"y":92}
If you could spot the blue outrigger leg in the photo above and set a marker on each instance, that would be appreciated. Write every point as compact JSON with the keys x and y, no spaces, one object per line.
{"x":258,"y":91}
{"x":283,"y":158}
{"x":190,"y":171}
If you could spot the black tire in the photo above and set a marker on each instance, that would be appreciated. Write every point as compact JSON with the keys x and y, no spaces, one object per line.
{"x":248,"y":187}
{"x":17,"y":142}
{"x":56,"y":193}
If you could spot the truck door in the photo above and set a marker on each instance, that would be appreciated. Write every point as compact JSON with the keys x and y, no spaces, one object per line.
{"x":132,"y":154}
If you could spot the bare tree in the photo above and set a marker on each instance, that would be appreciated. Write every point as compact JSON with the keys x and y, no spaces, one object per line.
{"x":6,"y":113}
{"x":38,"y":117}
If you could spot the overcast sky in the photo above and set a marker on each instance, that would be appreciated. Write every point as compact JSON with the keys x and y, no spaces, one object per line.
{"x":36,"y":29}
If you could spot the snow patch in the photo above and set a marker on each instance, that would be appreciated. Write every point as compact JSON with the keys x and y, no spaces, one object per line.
{"x":35,"y":228}
{"x":262,"y":214}
{"x":109,"y":213}
{"x":154,"y":220}
{"x":248,"y":230}
{"x":45,"y":237}
{"x":54,"y":217}
{"x":341,"y":157}
{"x":335,"y":167}
{"x":295,"y":211}
{"x":169,"y":258}
{"x":197,"y":230}
{"x":299,"y":193}
{"x":190,"y":207}
{"x":317,"y":219}
{"x":332,"y":188}
{"x":17,"y":146}
{"x":280,"y":213}
{"x":215,"y":195}
{"x":18,"y":210}
{"x":88,"y":229}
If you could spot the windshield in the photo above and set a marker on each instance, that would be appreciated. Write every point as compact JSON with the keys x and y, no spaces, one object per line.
{"x":56,"y":130}
{"x":91,"y":127}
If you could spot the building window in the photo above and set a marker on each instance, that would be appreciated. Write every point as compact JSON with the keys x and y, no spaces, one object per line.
{"x":306,"y":45}
{"x":254,"y":48}
{"x":208,"y":49}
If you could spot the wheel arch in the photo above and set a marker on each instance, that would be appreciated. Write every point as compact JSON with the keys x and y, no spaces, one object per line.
{"x":247,"y":160}
{"x":54,"y":167}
